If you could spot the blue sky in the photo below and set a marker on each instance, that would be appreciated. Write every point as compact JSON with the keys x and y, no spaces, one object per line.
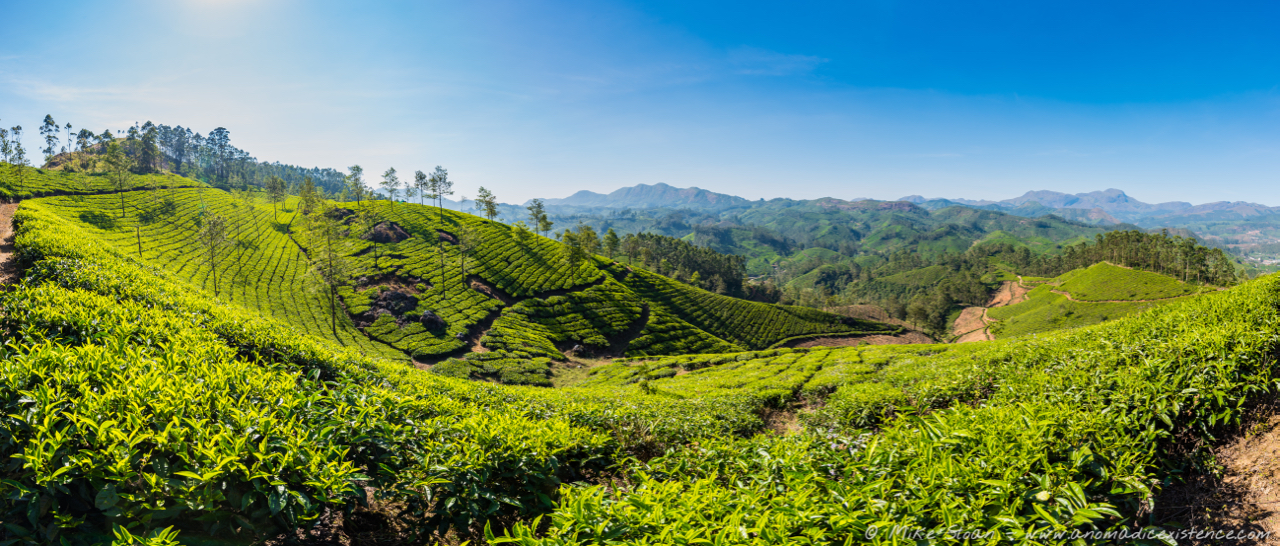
{"x":1169,"y":101}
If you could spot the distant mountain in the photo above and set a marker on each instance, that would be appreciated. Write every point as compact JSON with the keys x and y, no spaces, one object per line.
{"x":652,"y":196}
{"x":1105,"y":207}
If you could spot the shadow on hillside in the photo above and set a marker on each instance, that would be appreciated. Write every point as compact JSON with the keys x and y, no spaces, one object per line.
{"x":1244,"y":498}
{"x":98,"y":219}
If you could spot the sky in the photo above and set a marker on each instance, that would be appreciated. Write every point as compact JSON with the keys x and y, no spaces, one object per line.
{"x":1172,"y":101}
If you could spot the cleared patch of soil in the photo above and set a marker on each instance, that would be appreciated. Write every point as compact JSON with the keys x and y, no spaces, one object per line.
{"x":1244,"y":498}
{"x":387,"y":232}
{"x":1010,"y":293}
{"x":908,"y":338}
{"x":969,"y":322}
{"x":868,"y":312}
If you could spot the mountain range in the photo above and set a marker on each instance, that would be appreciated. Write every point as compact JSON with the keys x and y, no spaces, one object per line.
{"x":652,"y":196}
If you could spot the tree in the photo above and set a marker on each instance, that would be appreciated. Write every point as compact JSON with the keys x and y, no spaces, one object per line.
{"x":443,"y":187}
{"x":18,"y":160}
{"x":579,"y":244}
{"x":118,"y":171}
{"x":275,"y":193}
{"x":148,"y":149}
{"x":538,"y":217}
{"x":328,"y":263}
{"x":307,"y":195}
{"x":213,"y":237}
{"x":49,"y":130}
{"x":367,"y":220}
{"x":355,"y":182}
{"x":426,"y":187}
{"x":6,"y":148}
{"x":439,"y":185}
{"x":611,"y":243}
{"x":470,"y":237}
{"x":486,"y":203}
{"x":410,"y":190}
{"x":71,"y":140}
{"x":391,"y":185}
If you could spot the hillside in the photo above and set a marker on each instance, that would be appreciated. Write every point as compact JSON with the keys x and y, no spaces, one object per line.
{"x":115,"y":356}
{"x":504,"y":307}
{"x":1083,"y":297}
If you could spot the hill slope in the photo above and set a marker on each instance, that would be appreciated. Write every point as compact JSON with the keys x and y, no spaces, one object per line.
{"x":135,"y":402}
{"x":1082,"y":297}
{"x":503,"y":307}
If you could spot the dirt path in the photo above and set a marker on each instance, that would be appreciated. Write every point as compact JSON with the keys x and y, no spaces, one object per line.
{"x":8,"y":270}
{"x":973,"y":324}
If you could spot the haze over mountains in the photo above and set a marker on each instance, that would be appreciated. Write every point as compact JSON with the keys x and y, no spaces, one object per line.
{"x":1106,"y":207}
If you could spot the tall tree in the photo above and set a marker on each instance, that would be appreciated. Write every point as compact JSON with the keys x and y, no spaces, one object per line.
{"x":355,"y":182}
{"x":611,"y":243}
{"x":149,"y":149}
{"x":49,"y":130}
{"x":6,"y":148}
{"x":443,"y":186}
{"x":119,"y":171}
{"x":18,"y":160}
{"x":391,"y":185}
{"x":486,"y":203}
{"x":425,"y":186}
{"x":213,"y":237}
{"x":328,"y":262}
{"x":275,"y":193}
{"x":470,"y":237}
{"x":71,"y":140}
{"x":537,"y":214}
{"x":307,"y":196}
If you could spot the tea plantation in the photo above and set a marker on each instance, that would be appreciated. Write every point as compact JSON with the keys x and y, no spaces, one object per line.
{"x":1084,"y":297}
{"x":140,"y":409}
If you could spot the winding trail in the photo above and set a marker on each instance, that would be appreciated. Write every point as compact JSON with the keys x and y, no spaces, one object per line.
{"x":973,"y":323}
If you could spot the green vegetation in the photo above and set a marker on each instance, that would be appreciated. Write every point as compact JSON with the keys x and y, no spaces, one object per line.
{"x":1075,"y":432}
{"x":1103,"y":282}
{"x":38,"y":182}
{"x":504,"y":306}
{"x":264,"y":270}
{"x":1101,"y":292}
{"x":136,"y":401}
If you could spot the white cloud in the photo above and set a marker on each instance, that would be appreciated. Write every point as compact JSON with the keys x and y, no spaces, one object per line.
{"x":755,"y":61}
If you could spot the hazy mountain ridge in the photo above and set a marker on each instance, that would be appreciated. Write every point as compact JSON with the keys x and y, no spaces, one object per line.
{"x":651,"y":196}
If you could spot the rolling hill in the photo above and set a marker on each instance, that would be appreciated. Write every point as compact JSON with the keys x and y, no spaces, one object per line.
{"x":504,"y":308}
{"x":1083,"y":297}
{"x":141,"y":405}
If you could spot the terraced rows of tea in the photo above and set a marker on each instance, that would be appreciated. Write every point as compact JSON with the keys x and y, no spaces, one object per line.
{"x":137,"y":405}
{"x":503,"y":311}
{"x":43,"y":182}
{"x":262,"y":270}
{"x":512,"y":303}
